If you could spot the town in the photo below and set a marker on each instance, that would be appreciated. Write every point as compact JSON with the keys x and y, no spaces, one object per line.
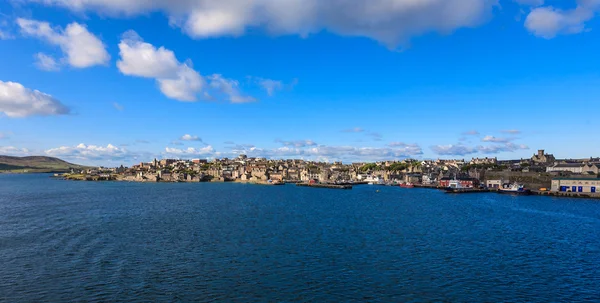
{"x":540,"y":172}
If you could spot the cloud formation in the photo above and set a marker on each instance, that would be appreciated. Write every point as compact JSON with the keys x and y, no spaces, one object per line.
{"x":81,"y":48}
{"x":46,"y":62}
{"x":176,"y":80}
{"x":391,"y":22}
{"x":548,"y":22}
{"x":297,"y":143}
{"x":191,"y":151}
{"x":530,"y":2}
{"x":463,"y":150}
{"x":187,"y":137}
{"x":17,"y":101}
{"x":496,"y":139}
{"x":93,"y":153}
{"x":14,"y":151}
{"x":228,"y":88}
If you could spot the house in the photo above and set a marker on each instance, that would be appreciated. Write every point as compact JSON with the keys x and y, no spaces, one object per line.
{"x":590,"y":168}
{"x":575,"y":168}
{"x":494,"y":183}
{"x":484,"y":161}
{"x":578,"y":185}
{"x":276,"y":176}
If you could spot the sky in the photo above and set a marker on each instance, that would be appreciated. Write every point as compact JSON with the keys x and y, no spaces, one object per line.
{"x":111,"y":82}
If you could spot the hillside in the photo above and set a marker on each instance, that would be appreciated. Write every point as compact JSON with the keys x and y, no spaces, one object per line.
{"x":35,"y":164}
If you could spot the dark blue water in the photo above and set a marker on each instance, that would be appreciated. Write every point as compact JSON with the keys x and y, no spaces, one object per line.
{"x":64,"y":241}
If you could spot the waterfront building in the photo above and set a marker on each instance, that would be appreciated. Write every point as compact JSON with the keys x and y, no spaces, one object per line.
{"x":494,"y":183}
{"x":576,"y":185}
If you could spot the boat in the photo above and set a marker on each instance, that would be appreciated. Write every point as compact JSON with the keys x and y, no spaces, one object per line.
{"x":455,"y":187}
{"x":514,"y":189}
{"x":407,"y":185}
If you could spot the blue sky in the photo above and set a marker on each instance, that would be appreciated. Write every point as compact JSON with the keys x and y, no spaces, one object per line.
{"x":118,"y":82}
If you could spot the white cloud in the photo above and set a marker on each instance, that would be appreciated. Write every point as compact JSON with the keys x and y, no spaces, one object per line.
{"x":45,"y":62}
{"x":5,"y":135}
{"x":303,"y":149}
{"x":184,"y":86}
{"x":376,"y":136}
{"x":496,"y":139}
{"x":13,"y":151}
{"x":5,"y":35}
{"x":81,"y":48}
{"x":191,"y":151}
{"x":463,"y":150}
{"x":530,"y":2}
{"x":508,"y":147}
{"x":270,"y":86}
{"x":96,"y":154}
{"x":511,"y":131}
{"x":229,"y":88}
{"x":175,"y":80}
{"x":17,"y":101}
{"x":4,"y":28}
{"x":297,"y":143}
{"x":389,"y":21}
{"x":548,"y":22}
{"x":190,"y":138}
{"x":453,"y":150}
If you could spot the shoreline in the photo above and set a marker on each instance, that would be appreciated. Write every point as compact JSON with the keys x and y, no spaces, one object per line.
{"x":551,"y":194}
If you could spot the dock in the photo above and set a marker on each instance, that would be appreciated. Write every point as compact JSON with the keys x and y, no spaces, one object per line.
{"x":330,"y":186}
{"x":566,"y":194}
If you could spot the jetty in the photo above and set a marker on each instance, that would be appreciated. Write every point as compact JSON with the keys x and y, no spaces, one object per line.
{"x":566,"y":194}
{"x":330,"y":186}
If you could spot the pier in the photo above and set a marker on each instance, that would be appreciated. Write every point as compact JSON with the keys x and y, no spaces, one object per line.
{"x":566,"y":194}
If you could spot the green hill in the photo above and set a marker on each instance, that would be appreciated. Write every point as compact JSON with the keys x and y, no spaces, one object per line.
{"x":36,"y":164}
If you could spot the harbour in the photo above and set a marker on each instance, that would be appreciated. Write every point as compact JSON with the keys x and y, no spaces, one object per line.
{"x":121,"y":241}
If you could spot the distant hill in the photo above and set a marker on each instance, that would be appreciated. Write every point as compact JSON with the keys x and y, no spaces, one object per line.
{"x":36,"y":164}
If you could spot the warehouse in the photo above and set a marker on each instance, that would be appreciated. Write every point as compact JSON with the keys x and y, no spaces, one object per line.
{"x":576,"y":185}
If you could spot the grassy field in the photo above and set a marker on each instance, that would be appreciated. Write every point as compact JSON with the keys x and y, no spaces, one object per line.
{"x":36,"y":164}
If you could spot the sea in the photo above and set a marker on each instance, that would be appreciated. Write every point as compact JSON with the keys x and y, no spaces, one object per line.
{"x":73,"y":241}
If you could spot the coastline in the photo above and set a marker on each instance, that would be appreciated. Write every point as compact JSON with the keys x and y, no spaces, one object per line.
{"x":68,"y":177}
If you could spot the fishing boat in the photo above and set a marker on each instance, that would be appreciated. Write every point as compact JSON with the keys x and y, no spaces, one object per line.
{"x":455,"y":187}
{"x":407,"y":185}
{"x":514,"y":189}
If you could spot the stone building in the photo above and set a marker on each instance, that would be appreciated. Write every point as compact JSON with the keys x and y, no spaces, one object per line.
{"x":542,"y":158}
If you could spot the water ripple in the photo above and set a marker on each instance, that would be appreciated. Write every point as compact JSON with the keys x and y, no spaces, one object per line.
{"x":123,"y":242}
